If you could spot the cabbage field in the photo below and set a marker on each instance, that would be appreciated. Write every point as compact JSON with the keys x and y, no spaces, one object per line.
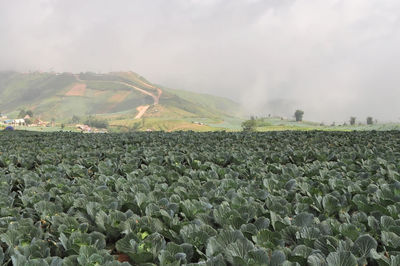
{"x":185,"y":198}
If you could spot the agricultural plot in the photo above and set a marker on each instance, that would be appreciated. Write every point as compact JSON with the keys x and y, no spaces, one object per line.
{"x":278,"y":198}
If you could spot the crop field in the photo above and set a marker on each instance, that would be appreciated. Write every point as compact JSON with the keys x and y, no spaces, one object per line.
{"x":185,"y":198}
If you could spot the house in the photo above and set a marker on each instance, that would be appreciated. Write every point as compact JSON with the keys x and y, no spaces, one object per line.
{"x":41,"y":123}
{"x":84,"y":128}
{"x":19,"y":121}
{"x":8,"y":121}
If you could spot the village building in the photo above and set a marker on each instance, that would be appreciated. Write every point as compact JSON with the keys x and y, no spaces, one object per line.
{"x":84,"y":128}
{"x":19,"y":121}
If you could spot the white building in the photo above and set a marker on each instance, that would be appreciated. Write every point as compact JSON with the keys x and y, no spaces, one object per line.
{"x":20,"y":121}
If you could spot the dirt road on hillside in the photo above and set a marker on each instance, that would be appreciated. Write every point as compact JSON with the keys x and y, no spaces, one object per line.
{"x":155,"y":97}
{"x":143,"y":108}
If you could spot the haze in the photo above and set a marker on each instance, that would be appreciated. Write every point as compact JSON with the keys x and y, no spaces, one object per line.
{"x":333,"y":59}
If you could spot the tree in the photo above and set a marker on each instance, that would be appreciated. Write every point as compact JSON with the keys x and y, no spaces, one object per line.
{"x":299,"y":115}
{"x":22,"y":114}
{"x":28,"y":121}
{"x":95,"y":122}
{"x":352,"y":120}
{"x":75,"y":119}
{"x":135,"y":127}
{"x":370,"y":120}
{"x":29,"y":112}
{"x":62,"y":126}
{"x":249,"y":125}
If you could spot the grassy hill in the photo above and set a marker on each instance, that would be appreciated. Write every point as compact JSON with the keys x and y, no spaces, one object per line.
{"x":208,"y":102}
{"x":117,"y":97}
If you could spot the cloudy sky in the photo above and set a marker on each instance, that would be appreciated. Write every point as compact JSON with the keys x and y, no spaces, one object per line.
{"x":331,"y":58}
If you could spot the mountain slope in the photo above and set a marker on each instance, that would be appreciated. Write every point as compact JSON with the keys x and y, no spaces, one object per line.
{"x":209,"y":102}
{"x":62,"y":95}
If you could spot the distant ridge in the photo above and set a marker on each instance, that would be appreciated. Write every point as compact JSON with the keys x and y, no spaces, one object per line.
{"x":61,"y":95}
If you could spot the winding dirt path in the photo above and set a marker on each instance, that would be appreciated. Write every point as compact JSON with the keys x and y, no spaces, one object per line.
{"x":155,"y":97}
{"x":141,"y":109}
{"x":159,"y":94}
{"x":159,"y":91}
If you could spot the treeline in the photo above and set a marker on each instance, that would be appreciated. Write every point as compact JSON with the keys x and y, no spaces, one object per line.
{"x":91,"y":121}
{"x":370,"y":120}
{"x":254,"y":122}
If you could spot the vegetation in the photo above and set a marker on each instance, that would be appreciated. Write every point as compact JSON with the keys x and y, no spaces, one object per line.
{"x":22,"y":113}
{"x":217,"y":105}
{"x":299,"y":115}
{"x":249,"y":125}
{"x":61,"y":95}
{"x":96,"y":122}
{"x":135,"y":127}
{"x":75,"y":119}
{"x":30,"y":113}
{"x":352,"y":120}
{"x":281,"y":198}
{"x":28,"y":121}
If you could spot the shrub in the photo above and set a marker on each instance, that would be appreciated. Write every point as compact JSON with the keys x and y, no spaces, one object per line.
{"x":96,"y":122}
{"x":352,"y":120}
{"x":249,"y":125}
{"x":299,"y":115}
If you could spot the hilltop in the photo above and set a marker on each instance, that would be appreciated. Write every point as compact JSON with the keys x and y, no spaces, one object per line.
{"x":123,"y":98}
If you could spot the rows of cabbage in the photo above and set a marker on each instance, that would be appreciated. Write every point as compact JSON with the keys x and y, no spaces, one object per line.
{"x":279,"y":198}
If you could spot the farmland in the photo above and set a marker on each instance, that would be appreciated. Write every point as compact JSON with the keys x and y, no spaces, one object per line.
{"x":155,"y":198}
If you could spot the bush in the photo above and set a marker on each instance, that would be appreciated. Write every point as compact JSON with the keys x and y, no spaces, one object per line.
{"x":299,"y":115}
{"x":352,"y":120}
{"x":95,"y":122}
{"x":135,"y":127}
{"x":28,"y":121}
{"x":22,"y":114}
{"x":75,"y":119}
{"x":249,"y":125}
{"x":30,"y":113}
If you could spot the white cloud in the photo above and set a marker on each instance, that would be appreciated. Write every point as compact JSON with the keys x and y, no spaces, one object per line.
{"x":333,"y":58}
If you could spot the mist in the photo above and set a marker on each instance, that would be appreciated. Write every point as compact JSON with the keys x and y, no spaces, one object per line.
{"x":333,"y":59}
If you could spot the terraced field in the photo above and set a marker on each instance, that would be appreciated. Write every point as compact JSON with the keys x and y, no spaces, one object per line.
{"x":277,"y":198}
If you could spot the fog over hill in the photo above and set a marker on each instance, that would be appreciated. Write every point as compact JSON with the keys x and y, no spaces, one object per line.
{"x":333,"y":59}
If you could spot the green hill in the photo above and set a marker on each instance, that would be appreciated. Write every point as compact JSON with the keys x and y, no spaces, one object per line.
{"x":116,"y":96}
{"x":207,"y":102}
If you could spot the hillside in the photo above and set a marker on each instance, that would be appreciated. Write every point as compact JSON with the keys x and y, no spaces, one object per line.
{"x":120,"y":97}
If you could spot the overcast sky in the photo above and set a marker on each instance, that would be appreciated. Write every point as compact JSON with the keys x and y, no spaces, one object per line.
{"x":331,"y":58}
